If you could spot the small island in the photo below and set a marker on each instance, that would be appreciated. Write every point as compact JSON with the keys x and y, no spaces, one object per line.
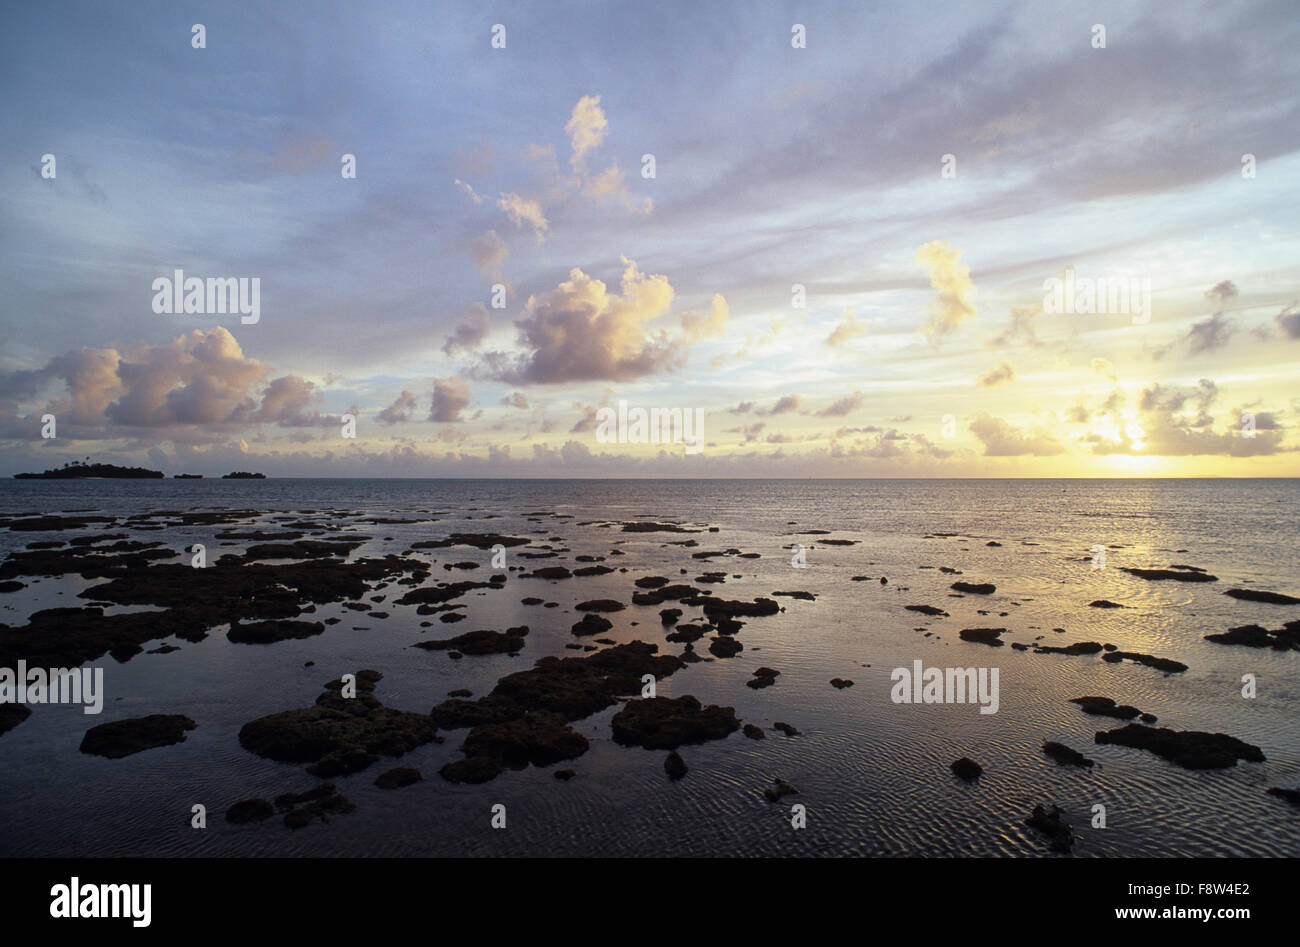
{"x":187,"y":476}
{"x":83,"y":469}
{"x":243,"y":475}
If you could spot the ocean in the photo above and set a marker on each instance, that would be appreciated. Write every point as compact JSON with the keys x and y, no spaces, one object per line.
{"x":872,"y":774}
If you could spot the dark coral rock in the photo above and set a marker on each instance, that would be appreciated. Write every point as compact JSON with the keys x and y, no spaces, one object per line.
{"x":398,"y":778}
{"x":967,"y":769}
{"x":273,"y":630}
{"x":591,"y":624}
{"x":1160,"y":664}
{"x":665,"y":723}
{"x":674,"y":765}
{"x":484,"y":641}
{"x":125,"y":737}
{"x":779,"y":789}
{"x":987,"y":636}
{"x":1064,"y":755}
{"x":1050,"y":823}
{"x":1105,"y":707}
{"x":339,"y":735}
{"x":1185,"y":574}
{"x":725,"y":647}
{"x":1190,"y":749}
{"x":249,"y":810}
{"x":1260,"y":595}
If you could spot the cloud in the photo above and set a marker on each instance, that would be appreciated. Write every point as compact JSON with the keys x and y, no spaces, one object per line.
{"x":400,"y":410}
{"x":524,"y":210}
{"x":951,"y":279}
{"x":468,"y":191}
{"x":1103,"y":366}
{"x":1004,"y":374}
{"x":516,"y":400}
{"x":450,"y":397}
{"x":846,"y":405}
{"x":1222,"y":293}
{"x":470,"y":332}
{"x":696,"y":327}
{"x":784,"y":405}
{"x":1210,"y":334}
{"x":1001,"y":439}
{"x":1175,"y":422}
{"x":1288,"y":320}
{"x":586,"y":129}
{"x":849,"y":326}
{"x":490,"y":253}
{"x":582,"y":332}
{"x":750,"y":431}
{"x":291,"y":401}
{"x":1022,"y":327}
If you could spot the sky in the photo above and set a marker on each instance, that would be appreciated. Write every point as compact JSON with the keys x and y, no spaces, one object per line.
{"x":832,"y":235}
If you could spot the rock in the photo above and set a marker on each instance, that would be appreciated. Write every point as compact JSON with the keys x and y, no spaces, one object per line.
{"x":473,"y":770}
{"x":271,"y":631}
{"x":684,"y":634}
{"x":600,"y":605}
{"x":926,"y":610}
{"x":1064,"y":755}
{"x":591,"y":624}
{"x":975,"y":588}
{"x":665,"y":723}
{"x":1105,"y":603}
{"x":1185,"y":574}
{"x":724,"y":647}
{"x":484,"y":641}
{"x":1259,"y":595}
{"x":1050,"y":823}
{"x":987,"y":636}
{"x":839,"y":683}
{"x":539,"y":737}
{"x":1160,"y":664}
{"x":339,"y":735}
{"x":398,"y":778}
{"x":967,"y":769}
{"x":779,"y":789}
{"x":11,"y":715}
{"x":992,"y":543}
{"x":1190,"y":749}
{"x":753,"y":732}
{"x":674,"y":766}
{"x":805,"y":596}
{"x":307,"y":807}
{"x":763,"y":677}
{"x":1105,"y":707}
{"x":669,"y":616}
{"x":1290,"y":795}
{"x":564,"y":774}
{"x":786,"y":729}
{"x":1286,"y":638}
{"x":249,"y":810}
{"x":1076,"y":649}
{"x":125,"y":737}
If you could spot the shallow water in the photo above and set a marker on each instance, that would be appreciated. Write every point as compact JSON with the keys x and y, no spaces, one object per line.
{"x":873,"y":774}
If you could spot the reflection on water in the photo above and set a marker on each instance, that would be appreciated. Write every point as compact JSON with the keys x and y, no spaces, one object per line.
{"x":873,"y":774}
